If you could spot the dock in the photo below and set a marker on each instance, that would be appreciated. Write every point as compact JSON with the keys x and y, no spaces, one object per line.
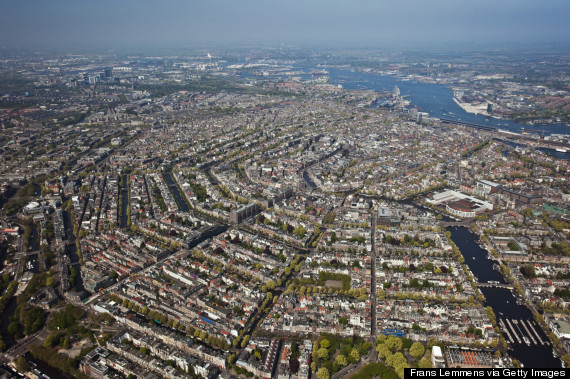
{"x":527,"y":331}
{"x":504,"y":328}
{"x":513,"y":330}
{"x":535,"y":332}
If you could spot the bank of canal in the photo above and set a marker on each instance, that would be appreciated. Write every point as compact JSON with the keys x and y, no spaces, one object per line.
{"x":515,"y":317}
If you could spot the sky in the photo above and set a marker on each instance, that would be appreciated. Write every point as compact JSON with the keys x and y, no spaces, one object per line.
{"x":199,"y":23}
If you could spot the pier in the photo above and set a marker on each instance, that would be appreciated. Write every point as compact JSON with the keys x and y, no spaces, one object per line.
{"x":506,"y":330}
{"x":527,"y":331}
{"x":513,"y":330}
{"x":535,"y":332}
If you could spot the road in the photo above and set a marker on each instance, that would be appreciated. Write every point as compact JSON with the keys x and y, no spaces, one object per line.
{"x":373,"y":295}
{"x":371,"y":356}
{"x":356,"y":367}
{"x":23,"y":346}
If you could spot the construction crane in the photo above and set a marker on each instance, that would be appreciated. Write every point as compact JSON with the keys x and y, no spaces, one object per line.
{"x":540,"y":131}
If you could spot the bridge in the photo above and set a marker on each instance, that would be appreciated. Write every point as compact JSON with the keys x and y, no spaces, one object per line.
{"x":516,"y":137}
{"x":445,"y":224}
{"x":495,"y":285}
{"x":469,"y":124}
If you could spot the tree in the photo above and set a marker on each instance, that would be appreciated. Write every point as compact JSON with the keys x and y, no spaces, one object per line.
{"x":52,"y":339}
{"x":14,"y":328}
{"x":22,"y":364}
{"x":325,"y":343}
{"x":354,"y":355}
{"x":395,"y":360}
{"x":417,"y":350}
{"x":383,"y":350}
{"x":50,"y":281}
{"x":424,"y":363}
{"x":394,"y":343}
{"x":566,"y":359}
{"x":322,"y":353}
{"x":341,"y":360}
{"x":323,"y":373}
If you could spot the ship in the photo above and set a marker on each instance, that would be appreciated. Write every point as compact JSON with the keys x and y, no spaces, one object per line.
{"x":562,"y":150}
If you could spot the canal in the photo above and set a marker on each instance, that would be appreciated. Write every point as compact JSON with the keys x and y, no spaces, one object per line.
{"x":124,"y":193}
{"x":515,"y":317}
{"x":174,"y":190}
{"x":308,"y":179}
{"x":71,"y":249}
{"x":45,"y":368}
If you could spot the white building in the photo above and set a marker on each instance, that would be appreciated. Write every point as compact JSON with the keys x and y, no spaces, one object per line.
{"x":437,"y":359}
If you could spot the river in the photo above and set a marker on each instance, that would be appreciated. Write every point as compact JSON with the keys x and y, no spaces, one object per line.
{"x":435,"y":99}
{"x":505,"y":305}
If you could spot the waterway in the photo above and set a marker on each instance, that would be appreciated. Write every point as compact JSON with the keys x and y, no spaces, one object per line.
{"x":308,"y":179}
{"x":71,"y":249}
{"x":550,"y":152}
{"x":45,"y":368}
{"x":174,"y":189}
{"x":504,"y":304}
{"x":124,"y":190}
{"x":5,"y":317}
{"x":436,"y":99}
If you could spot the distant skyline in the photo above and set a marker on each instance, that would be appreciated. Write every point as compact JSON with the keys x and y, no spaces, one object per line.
{"x":331,"y":23}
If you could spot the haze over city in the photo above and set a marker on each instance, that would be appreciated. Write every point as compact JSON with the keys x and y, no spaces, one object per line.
{"x":177,"y":23}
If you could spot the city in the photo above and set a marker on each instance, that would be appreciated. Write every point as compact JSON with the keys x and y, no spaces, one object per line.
{"x":153,"y":224}
{"x":284,"y":191}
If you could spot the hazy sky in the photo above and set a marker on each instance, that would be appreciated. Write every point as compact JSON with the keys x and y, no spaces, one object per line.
{"x":115,"y":23}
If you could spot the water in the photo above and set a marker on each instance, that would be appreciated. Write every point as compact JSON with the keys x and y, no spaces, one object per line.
{"x":71,"y":249}
{"x":5,"y":317}
{"x":550,"y":152}
{"x":503,"y":302}
{"x":481,"y":267}
{"x":34,"y":238}
{"x":124,"y":190}
{"x":436,"y":99}
{"x":308,"y":179}
{"x":174,"y":189}
{"x":45,"y":368}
